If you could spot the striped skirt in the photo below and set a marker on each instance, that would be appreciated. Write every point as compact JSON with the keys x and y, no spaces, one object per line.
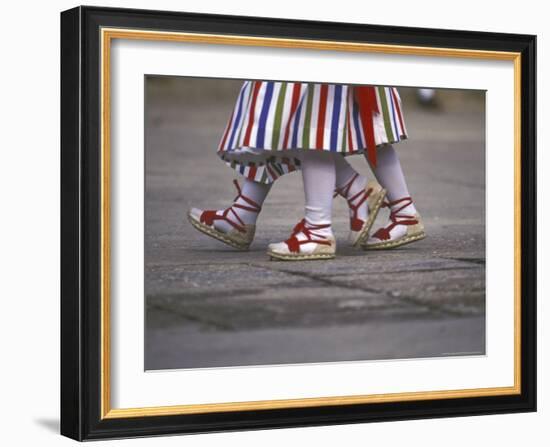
{"x":272,"y":122}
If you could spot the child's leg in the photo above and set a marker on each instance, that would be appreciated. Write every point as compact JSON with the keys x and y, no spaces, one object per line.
{"x":319,"y":177}
{"x":234,"y":225}
{"x":405,"y":224}
{"x":350,"y":184}
{"x":251,"y":193}
{"x":245,"y":209}
{"x":312,"y":238}
{"x":390,"y":175}
{"x":345,"y":172}
{"x":364,"y":199}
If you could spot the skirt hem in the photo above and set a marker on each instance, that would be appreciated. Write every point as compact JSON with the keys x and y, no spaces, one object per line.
{"x":267,"y":165}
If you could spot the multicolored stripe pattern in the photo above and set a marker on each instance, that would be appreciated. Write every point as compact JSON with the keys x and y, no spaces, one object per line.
{"x":270,"y":118}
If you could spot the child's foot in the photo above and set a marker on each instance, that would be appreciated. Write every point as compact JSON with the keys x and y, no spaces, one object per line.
{"x":307,"y":242}
{"x":364,"y":203}
{"x":229,"y":225}
{"x":405,"y":226}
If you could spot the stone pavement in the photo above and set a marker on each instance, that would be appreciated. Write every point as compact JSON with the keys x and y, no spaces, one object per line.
{"x":208,"y":305}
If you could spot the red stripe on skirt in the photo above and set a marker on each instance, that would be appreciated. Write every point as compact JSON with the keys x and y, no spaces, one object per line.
{"x":398,"y":111}
{"x":366,"y":99}
{"x":321,"y":119}
{"x":293,"y":106}
{"x":222,"y":145}
{"x":274,"y":175}
{"x":251,"y":113}
{"x":252,"y":173}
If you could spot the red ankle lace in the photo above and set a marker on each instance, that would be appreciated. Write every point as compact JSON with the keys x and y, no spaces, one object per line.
{"x":309,"y":231}
{"x":209,"y":216}
{"x":355,"y":223}
{"x":406,"y":219}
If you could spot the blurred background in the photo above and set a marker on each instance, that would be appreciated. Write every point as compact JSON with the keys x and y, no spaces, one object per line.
{"x":208,"y":305}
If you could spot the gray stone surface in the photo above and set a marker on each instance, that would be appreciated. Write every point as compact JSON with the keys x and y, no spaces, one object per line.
{"x":208,"y":305}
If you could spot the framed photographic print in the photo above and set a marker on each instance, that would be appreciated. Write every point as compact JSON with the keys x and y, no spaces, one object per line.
{"x":276,"y":223}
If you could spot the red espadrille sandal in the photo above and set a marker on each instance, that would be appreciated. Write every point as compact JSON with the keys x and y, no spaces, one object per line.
{"x":402,"y":229}
{"x":241,"y":234}
{"x":372,"y":196}
{"x":304,"y":244}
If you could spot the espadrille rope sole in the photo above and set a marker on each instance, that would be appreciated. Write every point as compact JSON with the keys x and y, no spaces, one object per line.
{"x":212,"y":232}
{"x":370,"y":220}
{"x":298,"y":257}
{"x":396,"y":243}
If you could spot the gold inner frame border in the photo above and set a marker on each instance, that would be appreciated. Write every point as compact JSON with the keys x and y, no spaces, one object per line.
{"x":107,"y":35}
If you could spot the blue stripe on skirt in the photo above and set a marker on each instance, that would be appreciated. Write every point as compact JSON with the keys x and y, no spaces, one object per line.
{"x":297,"y":116}
{"x":356,"y":126}
{"x":237,"y":118}
{"x":260,"y":137}
{"x":335,"y":117}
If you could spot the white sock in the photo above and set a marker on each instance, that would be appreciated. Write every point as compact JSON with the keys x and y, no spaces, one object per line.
{"x":389,"y":174}
{"x":344,"y":175}
{"x":257,"y":192}
{"x":319,"y":177}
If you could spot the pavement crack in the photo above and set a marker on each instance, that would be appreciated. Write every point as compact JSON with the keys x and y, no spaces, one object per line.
{"x":425,"y":270}
{"x":412,"y":301}
{"x":190,"y":317}
{"x":477,"y":261}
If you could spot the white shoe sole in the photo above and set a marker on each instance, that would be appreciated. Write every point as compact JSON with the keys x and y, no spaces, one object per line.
{"x":395,"y":243}
{"x":363,"y":236}
{"x":299,"y":257}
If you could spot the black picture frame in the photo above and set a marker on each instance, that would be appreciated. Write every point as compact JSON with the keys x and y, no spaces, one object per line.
{"x":81,"y":223}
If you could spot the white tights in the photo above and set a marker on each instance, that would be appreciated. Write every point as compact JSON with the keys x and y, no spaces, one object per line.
{"x":389,"y":174}
{"x":322,"y":173}
{"x":257,"y":192}
{"x":319,"y":177}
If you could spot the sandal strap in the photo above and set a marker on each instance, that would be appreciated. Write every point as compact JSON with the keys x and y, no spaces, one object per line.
{"x":308,"y":230}
{"x":254,"y":207}
{"x":396,"y":218}
{"x":344,"y":190}
{"x":209,"y":216}
{"x":354,"y":202}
